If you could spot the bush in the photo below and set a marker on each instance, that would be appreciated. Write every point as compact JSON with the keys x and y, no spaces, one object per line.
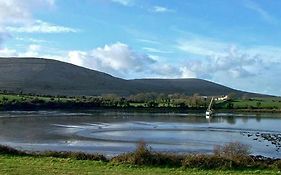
{"x":141,"y":156}
{"x":231,"y":155}
{"x":170,"y":160}
{"x":207,"y":162}
{"x":278,"y":164}
{"x":232,"y":151}
{"x":75,"y":155}
{"x":236,"y":152}
{"x":144,"y":156}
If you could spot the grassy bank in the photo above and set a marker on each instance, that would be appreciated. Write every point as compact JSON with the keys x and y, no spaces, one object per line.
{"x":233,"y":158}
{"x":49,"y":165}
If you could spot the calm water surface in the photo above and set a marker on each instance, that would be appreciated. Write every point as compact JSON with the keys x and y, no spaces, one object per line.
{"x":112,"y":132}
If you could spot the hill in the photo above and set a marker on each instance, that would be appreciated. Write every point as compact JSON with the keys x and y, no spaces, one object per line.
{"x":51,"y":77}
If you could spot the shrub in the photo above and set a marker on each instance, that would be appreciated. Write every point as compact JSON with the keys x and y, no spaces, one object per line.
{"x":231,"y":155}
{"x":207,"y":162}
{"x":168,"y":159}
{"x":144,"y":156}
{"x":236,"y":152}
{"x":75,"y":155}
{"x":232,"y":151}
{"x":141,"y":156}
{"x":123,"y":158}
{"x":278,"y":164}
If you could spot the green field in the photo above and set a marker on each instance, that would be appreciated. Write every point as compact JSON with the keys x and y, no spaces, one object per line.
{"x":22,"y":98}
{"x":47,"y":165}
{"x":23,"y":101}
{"x":252,"y":103}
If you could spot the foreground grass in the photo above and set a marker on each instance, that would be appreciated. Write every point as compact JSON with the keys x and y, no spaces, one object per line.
{"x":48,"y":165}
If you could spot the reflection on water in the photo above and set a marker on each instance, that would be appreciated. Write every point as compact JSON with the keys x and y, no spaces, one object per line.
{"x":112,"y":132}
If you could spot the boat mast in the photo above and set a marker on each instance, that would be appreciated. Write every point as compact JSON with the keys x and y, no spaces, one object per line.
{"x":210,"y":105}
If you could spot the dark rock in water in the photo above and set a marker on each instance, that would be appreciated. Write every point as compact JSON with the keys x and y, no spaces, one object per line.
{"x":274,"y":139}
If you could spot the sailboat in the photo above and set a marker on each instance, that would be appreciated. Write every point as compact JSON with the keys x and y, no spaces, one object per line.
{"x":210,"y":111}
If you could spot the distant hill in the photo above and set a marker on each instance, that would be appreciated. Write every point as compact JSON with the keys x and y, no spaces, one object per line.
{"x":51,"y":77}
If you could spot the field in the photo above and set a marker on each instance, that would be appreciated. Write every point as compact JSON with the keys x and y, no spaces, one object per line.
{"x":251,"y":103}
{"x":32,"y":102}
{"x":48,"y":165}
{"x":20,"y":98}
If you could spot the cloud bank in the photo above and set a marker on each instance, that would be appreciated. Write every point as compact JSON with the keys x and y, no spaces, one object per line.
{"x":39,"y":26}
{"x":16,"y":16}
{"x":117,"y":59}
{"x":123,"y":2}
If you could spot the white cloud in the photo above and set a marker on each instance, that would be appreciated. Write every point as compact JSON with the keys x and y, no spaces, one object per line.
{"x":41,"y":27}
{"x":20,"y":11}
{"x":117,"y":59}
{"x":262,"y":12}
{"x":123,"y":2}
{"x":33,"y":50}
{"x":161,"y":9}
{"x":202,"y":46}
{"x":223,"y":58}
{"x":147,"y":41}
{"x":78,"y":58}
{"x":5,"y":52}
{"x":15,"y":15}
{"x":163,"y":70}
{"x":186,"y":73}
{"x":13,"y":11}
{"x":242,"y":67}
{"x":31,"y":40}
{"x":155,"y":50}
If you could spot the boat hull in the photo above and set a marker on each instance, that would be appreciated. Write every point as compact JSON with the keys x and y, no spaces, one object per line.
{"x":209,"y":114}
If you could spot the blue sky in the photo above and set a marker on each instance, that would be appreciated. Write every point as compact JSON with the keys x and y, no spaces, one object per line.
{"x":236,"y":43}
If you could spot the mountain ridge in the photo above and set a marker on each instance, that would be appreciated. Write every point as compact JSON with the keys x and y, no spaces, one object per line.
{"x":52,"y":77}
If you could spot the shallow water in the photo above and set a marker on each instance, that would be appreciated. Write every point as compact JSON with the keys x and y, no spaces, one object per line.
{"x":113,"y":132}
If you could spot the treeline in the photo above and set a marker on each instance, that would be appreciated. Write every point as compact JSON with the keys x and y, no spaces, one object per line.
{"x":13,"y":101}
{"x":170,"y":100}
{"x":9,"y":100}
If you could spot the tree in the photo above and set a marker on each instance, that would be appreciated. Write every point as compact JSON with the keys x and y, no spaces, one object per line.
{"x":258,"y":104}
{"x":231,"y":96}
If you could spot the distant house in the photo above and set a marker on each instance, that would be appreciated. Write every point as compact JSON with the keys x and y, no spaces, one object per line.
{"x":221,"y":98}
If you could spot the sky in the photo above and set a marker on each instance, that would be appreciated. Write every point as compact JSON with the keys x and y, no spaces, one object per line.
{"x":236,"y":43}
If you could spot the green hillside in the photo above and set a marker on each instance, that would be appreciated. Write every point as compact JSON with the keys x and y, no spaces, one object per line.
{"x":50,"y":77}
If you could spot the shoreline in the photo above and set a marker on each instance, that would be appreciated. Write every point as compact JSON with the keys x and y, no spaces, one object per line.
{"x":238,"y":157}
{"x":50,"y":165}
{"x":137,"y":109}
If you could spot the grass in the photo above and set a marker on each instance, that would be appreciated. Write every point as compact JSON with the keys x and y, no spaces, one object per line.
{"x":141,"y":161}
{"x":252,"y":103}
{"x":23,"y":101}
{"x":49,"y":165}
{"x":259,"y":103}
{"x":19,"y":98}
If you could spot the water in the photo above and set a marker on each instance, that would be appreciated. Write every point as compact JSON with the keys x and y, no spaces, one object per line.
{"x":113,"y":132}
